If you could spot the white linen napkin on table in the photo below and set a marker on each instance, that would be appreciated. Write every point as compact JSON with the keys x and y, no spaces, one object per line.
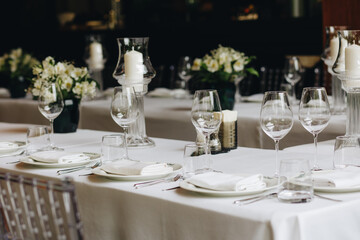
{"x":227,"y":182}
{"x":344,"y":177}
{"x":129,"y":167}
{"x":59,"y":157}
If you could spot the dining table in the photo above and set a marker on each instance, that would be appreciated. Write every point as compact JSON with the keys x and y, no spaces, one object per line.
{"x":114,"y":209}
{"x":168,"y":117}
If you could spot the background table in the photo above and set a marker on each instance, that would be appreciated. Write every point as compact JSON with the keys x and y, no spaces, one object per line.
{"x":170,"y":118}
{"x":115,"y":210}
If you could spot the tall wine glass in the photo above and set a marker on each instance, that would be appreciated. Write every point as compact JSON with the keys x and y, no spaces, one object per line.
{"x":51,"y":104}
{"x":184,"y":69}
{"x":314,"y":113}
{"x":292,"y":74}
{"x":124,"y":110}
{"x":276,"y":118}
{"x":206,"y":116}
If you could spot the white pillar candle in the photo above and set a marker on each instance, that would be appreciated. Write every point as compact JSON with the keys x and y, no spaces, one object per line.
{"x":134,"y":69}
{"x":96,"y":56}
{"x":352,"y":60}
{"x":334,"y":48}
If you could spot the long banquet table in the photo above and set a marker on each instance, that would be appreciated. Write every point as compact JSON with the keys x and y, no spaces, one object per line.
{"x":170,"y":118}
{"x":115,"y":210}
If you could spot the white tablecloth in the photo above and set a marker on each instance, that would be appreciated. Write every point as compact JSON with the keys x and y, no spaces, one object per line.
{"x":115,"y":210}
{"x":170,"y":118}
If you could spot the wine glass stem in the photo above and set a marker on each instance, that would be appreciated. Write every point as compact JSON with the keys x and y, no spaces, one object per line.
{"x":293,"y":93}
{"x":208,"y":151}
{"x":276,"y":158}
{"x":126,"y":155}
{"x":316,"y":166}
{"x":51,"y":133}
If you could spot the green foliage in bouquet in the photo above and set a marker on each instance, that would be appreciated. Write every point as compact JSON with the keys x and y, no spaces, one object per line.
{"x":223,"y":65}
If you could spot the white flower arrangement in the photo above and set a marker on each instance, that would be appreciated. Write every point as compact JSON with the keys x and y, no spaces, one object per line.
{"x":74,"y":82}
{"x":223,"y":64}
{"x":17,"y":63}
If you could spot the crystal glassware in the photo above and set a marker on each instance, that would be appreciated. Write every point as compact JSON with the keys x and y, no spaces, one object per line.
{"x":184,"y":70}
{"x":206,"y":115}
{"x":314,"y":114}
{"x":50,"y":104}
{"x":329,"y":56}
{"x":134,"y":69}
{"x":124,"y":110}
{"x":276,"y":118}
{"x":292,"y":74}
{"x":347,"y":69}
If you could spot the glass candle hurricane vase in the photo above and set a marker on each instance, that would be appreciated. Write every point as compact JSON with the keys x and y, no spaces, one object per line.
{"x":134,"y":69}
{"x":347,"y":68}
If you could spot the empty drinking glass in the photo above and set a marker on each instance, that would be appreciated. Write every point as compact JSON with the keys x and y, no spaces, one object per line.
{"x":112,"y":147}
{"x":346,"y":151}
{"x":276,"y":118}
{"x":295,"y":181}
{"x":184,"y":69}
{"x":50,"y":104}
{"x":206,"y":115}
{"x":314,"y":114}
{"x":124,"y":110}
{"x":195,"y":160}
{"x":292,"y":74}
{"x":37,"y":139}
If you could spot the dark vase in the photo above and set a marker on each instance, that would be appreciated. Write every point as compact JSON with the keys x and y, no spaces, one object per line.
{"x":226,"y":94}
{"x":68,"y":120}
{"x":17,"y":87}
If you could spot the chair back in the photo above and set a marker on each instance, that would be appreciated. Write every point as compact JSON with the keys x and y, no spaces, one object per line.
{"x":37,"y":209}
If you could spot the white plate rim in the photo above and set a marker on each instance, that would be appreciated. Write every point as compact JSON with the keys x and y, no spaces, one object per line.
{"x":97,"y":171}
{"x":337,"y":189}
{"x":190,"y":187}
{"x":334,"y":189}
{"x":93,"y":157}
{"x":11,"y":150}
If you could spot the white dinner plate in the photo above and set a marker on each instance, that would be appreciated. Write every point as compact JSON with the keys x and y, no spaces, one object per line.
{"x":99,"y":172}
{"x":334,"y":189}
{"x":337,"y":189}
{"x":6,"y":151}
{"x":93,"y":157}
{"x":271,"y":183}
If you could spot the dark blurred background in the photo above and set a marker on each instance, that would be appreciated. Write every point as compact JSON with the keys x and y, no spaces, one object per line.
{"x":267,"y":29}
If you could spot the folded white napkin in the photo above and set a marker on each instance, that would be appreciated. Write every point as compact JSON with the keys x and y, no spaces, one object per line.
{"x":227,"y":182}
{"x":59,"y":157}
{"x":8,"y":145}
{"x":344,"y":177}
{"x":128,"y":167}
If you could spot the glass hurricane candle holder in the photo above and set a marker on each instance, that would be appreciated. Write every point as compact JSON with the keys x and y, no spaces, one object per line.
{"x":134,"y":69}
{"x":347,"y":68}
{"x":95,"y":57}
{"x":329,"y":56}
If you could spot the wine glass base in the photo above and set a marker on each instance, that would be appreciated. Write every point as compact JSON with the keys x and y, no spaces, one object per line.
{"x":52,"y":148}
{"x":139,"y":142}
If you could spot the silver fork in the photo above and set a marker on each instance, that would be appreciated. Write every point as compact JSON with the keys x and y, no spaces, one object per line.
{"x":254,"y":199}
{"x":74,"y":169}
{"x":153,"y":182}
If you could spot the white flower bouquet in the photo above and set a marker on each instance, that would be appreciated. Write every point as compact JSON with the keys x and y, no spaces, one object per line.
{"x":74,"y":82}
{"x":223,"y":64}
{"x":17,"y":63}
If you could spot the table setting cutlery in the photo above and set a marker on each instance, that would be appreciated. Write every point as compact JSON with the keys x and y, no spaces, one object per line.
{"x":153,"y":182}
{"x":12,"y":154}
{"x":74,"y":169}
